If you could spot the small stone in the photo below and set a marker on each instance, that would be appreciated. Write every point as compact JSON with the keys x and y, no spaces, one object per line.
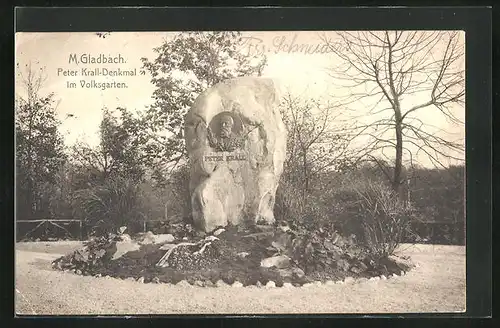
{"x":298,"y":272}
{"x":211,"y":238}
{"x":140,"y":280}
{"x":382,"y":277}
{"x":280,"y":262}
{"x":199,"y":283}
{"x":330,"y":283}
{"x":356,"y":270}
{"x":403,"y":273}
{"x":270,"y":284}
{"x":287,"y":285}
{"x":374,"y":279}
{"x":164,"y":238}
{"x":237,"y":284}
{"x":339,"y":282}
{"x":307,"y":285}
{"x":285,"y":228}
{"x":243,"y":255}
{"x":98,"y":275}
{"x":349,"y":280}
{"x":183,"y":283}
{"x":79,"y":272}
{"x":184,"y":238}
{"x":394,"y":275}
{"x":258,"y":284}
{"x":218,"y":231}
{"x":402,"y":262}
{"x":107,"y":277}
{"x":220,"y":283}
{"x":156,"y":280}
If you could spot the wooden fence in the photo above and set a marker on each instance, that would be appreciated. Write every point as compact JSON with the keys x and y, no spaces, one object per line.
{"x":64,"y":228}
{"x":438,"y":232}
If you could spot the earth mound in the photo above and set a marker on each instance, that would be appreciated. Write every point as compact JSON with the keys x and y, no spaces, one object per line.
{"x":252,"y":256}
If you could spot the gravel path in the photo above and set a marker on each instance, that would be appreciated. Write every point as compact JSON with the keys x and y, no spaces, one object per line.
{"x":437,"y":285}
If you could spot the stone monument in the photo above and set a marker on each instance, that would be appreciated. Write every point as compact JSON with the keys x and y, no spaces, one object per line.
{"x":236,"y":142}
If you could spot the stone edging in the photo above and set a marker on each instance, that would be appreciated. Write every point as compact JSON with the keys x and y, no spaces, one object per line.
{"x":270,"y":284}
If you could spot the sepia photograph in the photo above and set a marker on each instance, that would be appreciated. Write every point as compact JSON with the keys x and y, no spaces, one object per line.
{"x":240,"y":172}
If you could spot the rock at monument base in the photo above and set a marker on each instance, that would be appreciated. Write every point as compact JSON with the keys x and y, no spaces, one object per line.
{"x":164,"y":238}
{"x":402,"y":263}
{"x":298,"y":273}
{"x":125,"y":246}
{"x":218,"y":231}
{"x":236,"y":142}
{"x":150,"y":238}
{"x":279,"y":262}
{"x":146,"y":238}
{"x":291,"y":273}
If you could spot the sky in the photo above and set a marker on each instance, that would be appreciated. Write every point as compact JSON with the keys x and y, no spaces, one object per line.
{"x":302,"y":74}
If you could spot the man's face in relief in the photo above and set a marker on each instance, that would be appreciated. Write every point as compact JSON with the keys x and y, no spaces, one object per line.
{"x":226,"y":126}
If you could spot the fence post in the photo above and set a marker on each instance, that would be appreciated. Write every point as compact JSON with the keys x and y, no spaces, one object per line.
{"x":144,"y":225}
{"x":81,"y":235}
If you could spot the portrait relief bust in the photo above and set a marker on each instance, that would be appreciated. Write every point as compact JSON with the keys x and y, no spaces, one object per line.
{"x":225,"y":138}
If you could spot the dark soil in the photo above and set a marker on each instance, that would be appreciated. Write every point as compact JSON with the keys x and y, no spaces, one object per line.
{"x":222,"y":260}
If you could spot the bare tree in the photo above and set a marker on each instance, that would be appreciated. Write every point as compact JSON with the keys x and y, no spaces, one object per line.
{"x":312,"y":145}
{"x":396,"y":74}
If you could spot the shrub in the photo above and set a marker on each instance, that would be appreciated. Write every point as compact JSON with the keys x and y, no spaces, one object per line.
{"x":117,"y":202}
{"x":293,"y":205}
{"x":381,"y":217}
{"x":288,"y":203}
{"x":358,"y":204}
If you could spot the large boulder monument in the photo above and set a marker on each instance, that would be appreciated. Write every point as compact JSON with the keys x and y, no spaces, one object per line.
{"x":236,"y":142}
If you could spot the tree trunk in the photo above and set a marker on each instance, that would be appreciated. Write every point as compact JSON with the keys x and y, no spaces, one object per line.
{"x":398,"y":121}
{"x":396,"y":180}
